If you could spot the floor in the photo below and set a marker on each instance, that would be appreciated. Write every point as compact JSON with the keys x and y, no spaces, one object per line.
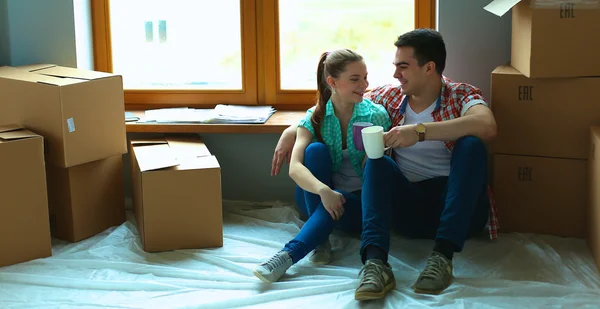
{"x":111,"y":270}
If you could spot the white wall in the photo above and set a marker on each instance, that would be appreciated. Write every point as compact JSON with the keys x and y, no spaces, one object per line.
{"x":44,"y":31}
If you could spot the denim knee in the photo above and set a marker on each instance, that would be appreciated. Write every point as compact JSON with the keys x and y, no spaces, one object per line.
{"x":381,"y":166}
{"x":473,"y":145}
{"x":316,"y":150}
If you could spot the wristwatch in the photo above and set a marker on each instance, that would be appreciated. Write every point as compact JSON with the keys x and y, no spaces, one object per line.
{"x":421,"y":130}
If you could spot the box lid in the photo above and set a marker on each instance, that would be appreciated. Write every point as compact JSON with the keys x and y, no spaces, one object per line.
{"x":12,"y":132}
{"x":506,"y":69}
{"x":172,"y":151}
{"x":66,"y":72}
{"x":16,"y":73}
{"x":500,"y":7}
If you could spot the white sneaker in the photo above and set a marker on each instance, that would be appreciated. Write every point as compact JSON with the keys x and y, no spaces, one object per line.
{"x":271,"y":270}
{"x":322,"y":254}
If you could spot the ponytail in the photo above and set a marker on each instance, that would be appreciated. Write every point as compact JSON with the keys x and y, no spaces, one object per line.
{"x":323,"y":95}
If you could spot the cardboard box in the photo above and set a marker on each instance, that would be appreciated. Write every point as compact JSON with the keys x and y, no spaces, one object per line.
{"x":80,"y":113}
{"x":24,"y":226}
{"x":543,"y":117}
{"x":86,"y":199}
{"x":541,"y":195}
{"x":553,"y":38}
{"x":176,"y":193}
{"x":593,"y":211}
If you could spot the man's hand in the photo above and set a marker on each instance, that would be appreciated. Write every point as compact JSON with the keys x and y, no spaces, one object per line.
{"x":333,"y":202}
{"x":283,"y":151}
{"x":401,"y":136}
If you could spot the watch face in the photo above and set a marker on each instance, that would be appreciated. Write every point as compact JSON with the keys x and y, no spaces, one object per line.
{"x":420,"y":128}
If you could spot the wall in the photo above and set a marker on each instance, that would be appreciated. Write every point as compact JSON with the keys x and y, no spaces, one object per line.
{"x":4,"y":42}
{"x":41,"y":31}
{"x":476,"y":41}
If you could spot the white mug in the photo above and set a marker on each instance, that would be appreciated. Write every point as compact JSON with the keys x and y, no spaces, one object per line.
{"x":373,"y":141}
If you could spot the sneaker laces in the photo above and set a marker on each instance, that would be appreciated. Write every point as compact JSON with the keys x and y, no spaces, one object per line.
{"x":435,"y":266}
{"x":372,"y":275}
{"x":276,"y":261}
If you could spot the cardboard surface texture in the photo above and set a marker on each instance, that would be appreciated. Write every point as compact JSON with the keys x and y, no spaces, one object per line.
{"x":552,"y":38}
{"x":86,"y":199}
{"x":543,"y":117}
{"x":79,"y":112}
{"x":541,"y":195}
{"x":593,"y":210}
{"x":24,"y":225}
{"x":176,"y":193}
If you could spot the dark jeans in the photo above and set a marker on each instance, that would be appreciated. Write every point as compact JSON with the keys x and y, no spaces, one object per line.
{"x":450,"y":208}
{"x":319,"y":224}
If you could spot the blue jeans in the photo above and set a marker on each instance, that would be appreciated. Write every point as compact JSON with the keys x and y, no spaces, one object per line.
{"x":450,"y":208}
{"x":319,"y":224}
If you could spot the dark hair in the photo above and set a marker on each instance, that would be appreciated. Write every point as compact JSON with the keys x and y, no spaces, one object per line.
{"x":428,"y":45}
{"x":330,"y":64}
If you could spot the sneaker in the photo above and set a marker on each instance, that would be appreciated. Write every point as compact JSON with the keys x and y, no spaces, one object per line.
{"x":271,"y":270}
{"x":436,"y":276}
{"x":376,"y":279}
{"x":322,"y":254}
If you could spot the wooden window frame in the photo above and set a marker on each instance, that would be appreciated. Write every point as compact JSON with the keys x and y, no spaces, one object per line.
{"x":260,"y":82}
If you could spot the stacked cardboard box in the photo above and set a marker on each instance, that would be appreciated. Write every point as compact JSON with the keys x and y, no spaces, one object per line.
{"x":176,"y":193}
{"x":80,"y":115}
{"x":66,"y":179}
{"x":24,"y":226}
{"x":544,"y":105}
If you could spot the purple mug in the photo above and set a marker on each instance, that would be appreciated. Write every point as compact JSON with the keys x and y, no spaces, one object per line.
{"x":357,"y":136}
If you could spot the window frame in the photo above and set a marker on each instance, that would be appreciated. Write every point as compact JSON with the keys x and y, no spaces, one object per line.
{"x":260,"y":75}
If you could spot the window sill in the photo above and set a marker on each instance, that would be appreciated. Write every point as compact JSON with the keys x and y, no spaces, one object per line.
{"x":278,"y":122}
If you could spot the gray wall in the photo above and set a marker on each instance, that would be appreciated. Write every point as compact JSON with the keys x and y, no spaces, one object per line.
{"x":44,"y":31}
{"x":476,"y":41}
{"x":4,"y":42}
{"x":41,"y":31}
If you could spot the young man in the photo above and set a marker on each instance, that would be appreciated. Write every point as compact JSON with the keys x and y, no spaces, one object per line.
{"x":433,"y":182}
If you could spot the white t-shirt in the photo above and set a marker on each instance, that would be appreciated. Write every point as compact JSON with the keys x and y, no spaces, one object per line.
{"x":425,"y":159}
{"x":346,"y":178}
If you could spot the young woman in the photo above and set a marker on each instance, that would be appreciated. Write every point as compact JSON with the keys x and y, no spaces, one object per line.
{"x":325,"y":163}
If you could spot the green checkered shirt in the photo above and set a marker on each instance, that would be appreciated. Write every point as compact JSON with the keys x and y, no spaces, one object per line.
{"x":365,"y":111}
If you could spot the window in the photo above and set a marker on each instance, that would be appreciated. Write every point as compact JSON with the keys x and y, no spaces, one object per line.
{"x":201,"y":53}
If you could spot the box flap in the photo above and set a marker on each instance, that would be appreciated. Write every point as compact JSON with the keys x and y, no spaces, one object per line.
{"x":148,"y":141}
{"x":500,"y":7}
{"x":58,"y":71}
{"x":187,"y":147}
{"x":24,"y":75}
{"x":506,"y":69}
{"x":154,"y":157}
{"x":35,"y":67}
{"x":204,"y":162}
{"x":13,"y":132}
{"x":10,"y":127}
{"x":171,"y":151}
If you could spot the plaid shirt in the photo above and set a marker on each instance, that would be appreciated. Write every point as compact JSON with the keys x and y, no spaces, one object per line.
{"x":455,"y":100}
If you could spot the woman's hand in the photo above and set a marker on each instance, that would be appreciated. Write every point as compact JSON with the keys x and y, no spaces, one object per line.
{"x":333,"y":202}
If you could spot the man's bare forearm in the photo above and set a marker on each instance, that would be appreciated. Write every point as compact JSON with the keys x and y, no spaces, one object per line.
{"x":479,"y":125}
